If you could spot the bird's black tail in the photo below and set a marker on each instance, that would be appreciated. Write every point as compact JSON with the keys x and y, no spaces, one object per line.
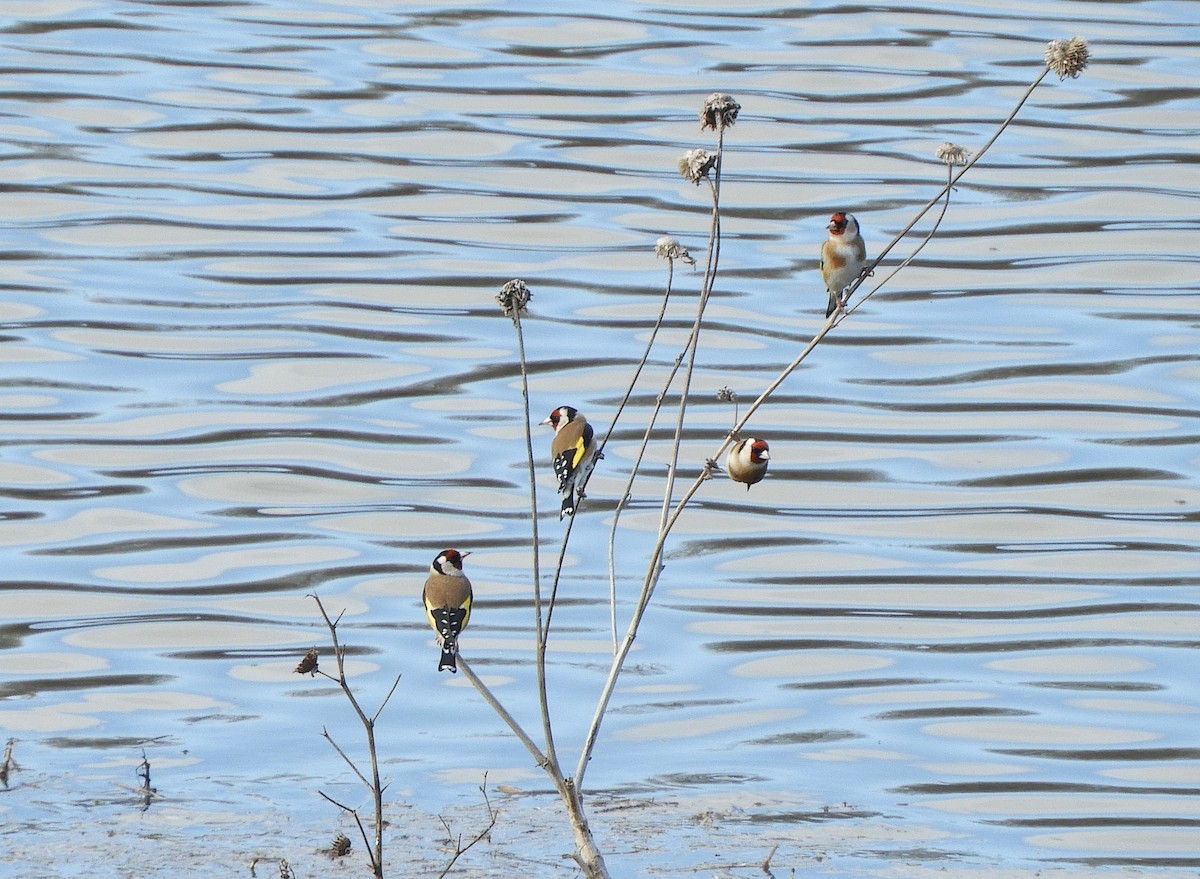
{"x":448,"y":661}
{"x":449,"y":624}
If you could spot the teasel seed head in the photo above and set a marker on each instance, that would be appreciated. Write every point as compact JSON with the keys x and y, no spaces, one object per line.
{"x":668,"y":248}
{"x":513,"y":297}
{"x":719,"y":111}
{"x":953,"y":154}
{"x":1067,"y":57}
{"x":694,"y":165}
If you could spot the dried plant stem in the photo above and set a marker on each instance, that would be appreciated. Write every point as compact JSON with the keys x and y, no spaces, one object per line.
{"x":587,"y":854}
{"x":541,"y":625}
{"x":908,"y":259}
{"x":693,"y":343}
{"x":374,"y":853}
{"x":352,"y":812}
{"x":651,"y":580}
{"x":945,"y":190}
{"x":670,"y":516}
{"x":654,"y":567}
{"x":8,"y":764}
{"x":459,"y":848}
{"x":512,"y":298}
{"x":541,"y":759}
{"x":625,"y":495}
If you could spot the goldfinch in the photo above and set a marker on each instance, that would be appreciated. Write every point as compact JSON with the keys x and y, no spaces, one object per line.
{"x":573,"y":453}
{"x":447,"y":599}
{"x":747,"y":461}
{"x":843,"y":256}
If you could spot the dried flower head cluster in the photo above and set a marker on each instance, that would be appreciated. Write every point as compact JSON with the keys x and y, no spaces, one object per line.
{"x":953,"y":154}
{"x":668,"y":248}
{"x":1067,"y":57}
{"x":514,"y":297}
{"x":309,"y":665}
{"x":340,"y":847}
{"x":725,"y":395}
{"x":719,"y":111}
{"x":694,"y":165}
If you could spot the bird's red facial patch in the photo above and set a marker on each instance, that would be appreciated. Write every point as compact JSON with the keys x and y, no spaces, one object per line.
{"x":837,"y":223}
{"x":759,"y":451}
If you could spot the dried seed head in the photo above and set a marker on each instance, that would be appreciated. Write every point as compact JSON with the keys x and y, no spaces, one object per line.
{"x":694,"y":165}
{"x":953,"y":154}
{"x":285,"y":870}
{"x":725,"y":395}
{"x":308,"y":665}
{"x":1067,"y":57}
{"x":513,"y":297}
{"x":719,"y":111}
{"x":668,"y":248}
{"x":340,"y":846}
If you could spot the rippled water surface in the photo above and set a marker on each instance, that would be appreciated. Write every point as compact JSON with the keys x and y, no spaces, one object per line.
{"x":251,"y":351}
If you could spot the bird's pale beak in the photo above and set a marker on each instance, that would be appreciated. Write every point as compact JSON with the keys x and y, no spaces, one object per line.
{"x":465,"y":554}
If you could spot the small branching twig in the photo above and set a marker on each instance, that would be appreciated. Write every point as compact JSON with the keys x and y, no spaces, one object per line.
{"x":145,"y":790}
{"x":766,"y":864}
{"x":459,"y":848}
{"x":310,"y":665}
{"x":353,"y":813}
{"x":146,"y":793}
{"x":9,"y":764}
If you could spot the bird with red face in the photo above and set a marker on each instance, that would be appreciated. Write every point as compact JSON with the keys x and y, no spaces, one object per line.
{"x":843,"y":256}
{"x":747,"y":461}
{"x":447,"y":597}
{"x":573,"y":453}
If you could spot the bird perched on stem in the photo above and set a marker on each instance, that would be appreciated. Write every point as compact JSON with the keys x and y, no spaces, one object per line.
{"x":747,"y":461}
{"x":573,"y":453}
{"x":447,"y":599}
{"x":843,"y":255}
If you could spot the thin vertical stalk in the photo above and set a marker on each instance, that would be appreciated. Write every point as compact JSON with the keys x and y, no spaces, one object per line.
{"x":541,"y":628}
{"x":627,"y":492}
{"x":693,"y":343}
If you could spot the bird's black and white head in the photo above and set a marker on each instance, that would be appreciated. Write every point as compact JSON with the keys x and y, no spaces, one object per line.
{"x":843,"y":225}
{"x":561,"y":417}
{"x":449,"y":562}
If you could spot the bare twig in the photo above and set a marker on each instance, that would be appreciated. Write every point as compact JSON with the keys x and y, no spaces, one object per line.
{"x":489,"y":697}
{"x":353,"y":812}
{"x":373,"y":784}
{"x":459,"y":848}
{"x":513,"y":298}
{"x":766,"y":864}
{"x":9,"y":764}
{"x":667,"y":248}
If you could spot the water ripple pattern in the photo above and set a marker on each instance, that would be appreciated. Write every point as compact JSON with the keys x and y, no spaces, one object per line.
{"x":250,"y":351}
